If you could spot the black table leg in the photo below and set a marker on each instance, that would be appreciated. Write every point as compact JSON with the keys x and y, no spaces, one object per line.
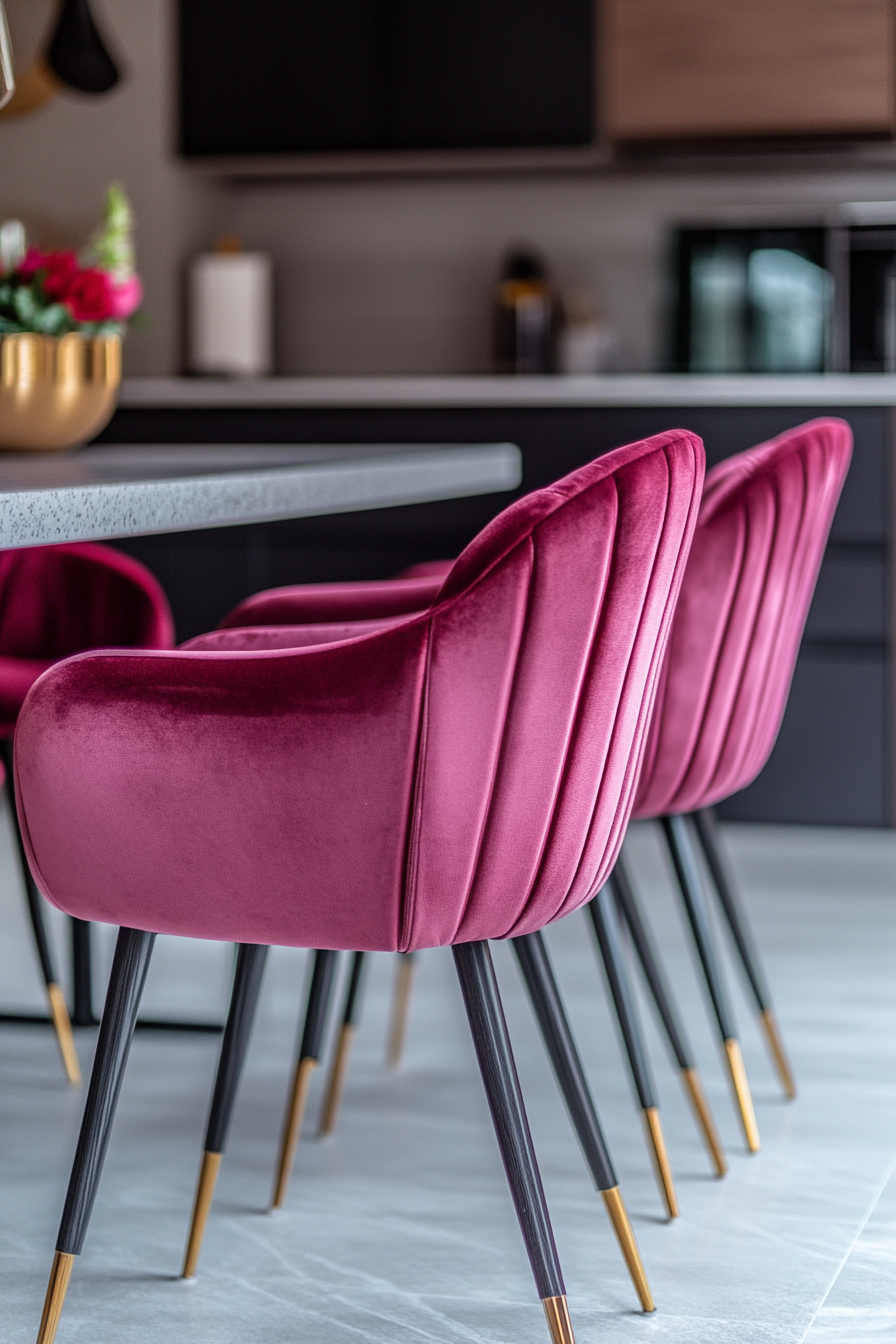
{"x":82,"y":990}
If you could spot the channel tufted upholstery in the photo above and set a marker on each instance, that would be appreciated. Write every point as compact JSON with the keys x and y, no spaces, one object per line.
{"x":60,"y":600}
{"x":763,"y":526}
{"x":463,"y":773}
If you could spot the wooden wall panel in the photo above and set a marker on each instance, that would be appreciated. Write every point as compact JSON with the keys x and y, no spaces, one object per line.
{"x":696,"y":69}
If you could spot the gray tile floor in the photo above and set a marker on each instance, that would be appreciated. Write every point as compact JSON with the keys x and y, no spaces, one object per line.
{"x":400,"y":1230}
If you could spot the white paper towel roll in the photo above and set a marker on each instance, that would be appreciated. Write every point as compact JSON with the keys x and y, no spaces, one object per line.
{"x":231,"y":314}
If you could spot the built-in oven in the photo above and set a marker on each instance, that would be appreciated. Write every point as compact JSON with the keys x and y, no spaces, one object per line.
{"x":787,"y":299}
{"x":863,"y":264}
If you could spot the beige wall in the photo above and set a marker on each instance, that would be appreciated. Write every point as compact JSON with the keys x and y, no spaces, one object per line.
{"x":376,"y":276}
{"x":393,"y":276}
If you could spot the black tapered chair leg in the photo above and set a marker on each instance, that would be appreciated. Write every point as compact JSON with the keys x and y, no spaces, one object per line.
{"x":684,"y":860}
{"x":502,"y":1088}
{"x":627,"y":904}
{"x":553,"y":1023}
{"x":129,"y":967}
{"x":401,"y":999}
{"x":335,"y":1081}
{"x":309,"y":1054}
{"x":82,"y":973}
{"x":706,"y":826}
{"x":55,"y":997}
{"x":605,"y":921}
{"x":250,"y":962}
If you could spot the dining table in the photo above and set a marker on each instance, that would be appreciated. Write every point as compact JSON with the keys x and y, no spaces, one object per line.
{"x":111,"y":491}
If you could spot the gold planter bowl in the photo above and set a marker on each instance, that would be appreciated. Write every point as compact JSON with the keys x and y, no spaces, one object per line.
{"x":56,"y":391}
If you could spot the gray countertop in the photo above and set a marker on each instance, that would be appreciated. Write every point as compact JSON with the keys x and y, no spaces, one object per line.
{"x":123,"y":491}
{"x":830,"y":389}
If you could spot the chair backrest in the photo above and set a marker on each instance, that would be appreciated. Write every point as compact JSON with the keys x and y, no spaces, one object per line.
{"x":545,"y":648}
{"x":760,"y":539}
{"x":60,"y":600}
{"x":464,"y":773}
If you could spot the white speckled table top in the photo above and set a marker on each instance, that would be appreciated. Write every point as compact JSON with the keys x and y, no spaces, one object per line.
{"x":125,"y":491}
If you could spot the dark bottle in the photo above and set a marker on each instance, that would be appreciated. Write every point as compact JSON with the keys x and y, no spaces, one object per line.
{"x":524,"y":310}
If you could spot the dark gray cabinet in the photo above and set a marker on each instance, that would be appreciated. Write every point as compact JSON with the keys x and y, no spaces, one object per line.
{"x":833,"y":759}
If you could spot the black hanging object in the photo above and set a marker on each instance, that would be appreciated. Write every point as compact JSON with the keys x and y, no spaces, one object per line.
{"x":76,"y":54}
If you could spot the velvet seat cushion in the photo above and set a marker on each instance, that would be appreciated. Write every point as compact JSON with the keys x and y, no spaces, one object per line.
{"x":60,"y":600}
{"x":763,"y":526}
{"x":465,"y":772}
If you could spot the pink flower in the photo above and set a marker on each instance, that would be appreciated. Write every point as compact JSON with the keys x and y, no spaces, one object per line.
{"x":127,"y":297}
{"x":89,"y":296}
{"x":33,"y":260}
{"x":59,"y":269}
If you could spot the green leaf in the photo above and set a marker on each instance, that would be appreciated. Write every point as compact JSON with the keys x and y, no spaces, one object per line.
{"x":53,"y":321}
{"x":8,"y":328}
{"x":25,"y":306}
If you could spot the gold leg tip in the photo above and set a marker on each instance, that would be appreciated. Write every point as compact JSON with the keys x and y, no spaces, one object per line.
{"x":559,"y":1324}
{"x":404,"y":979}
{"x":295,"y":1111}
{"x":64,"y":1037}
{"x":661,"y":1161}
{"x":57,"y":1287}
{"x":742,"y":1094}
{"x":619,"y":1219}
{"x":778,"y":1053}
{"x":694,"y":1089}
{"x":333,"y":1098}
{"x":202,"y":1203}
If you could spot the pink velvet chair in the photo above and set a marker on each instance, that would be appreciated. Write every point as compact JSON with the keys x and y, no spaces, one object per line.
{"x":764,"y":523}
{"x":55,"y":601}
{"x":464,"y":774}
{"x":757,"y":552}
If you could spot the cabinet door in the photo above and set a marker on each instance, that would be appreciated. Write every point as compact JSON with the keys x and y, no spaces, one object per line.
{"x":704,"y":69}
{"x":829,"y":764}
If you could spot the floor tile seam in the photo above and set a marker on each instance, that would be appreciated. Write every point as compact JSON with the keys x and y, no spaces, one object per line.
{"x":882,"y":1185}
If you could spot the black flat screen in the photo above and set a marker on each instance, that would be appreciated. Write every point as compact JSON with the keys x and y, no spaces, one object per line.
{"x":330,"y":76}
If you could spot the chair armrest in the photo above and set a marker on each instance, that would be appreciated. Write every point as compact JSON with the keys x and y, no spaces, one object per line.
{"x":247,"y":796}
{"x":286,"y":636}
{"x":427,"y":569}
{"x":319,"y":603}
